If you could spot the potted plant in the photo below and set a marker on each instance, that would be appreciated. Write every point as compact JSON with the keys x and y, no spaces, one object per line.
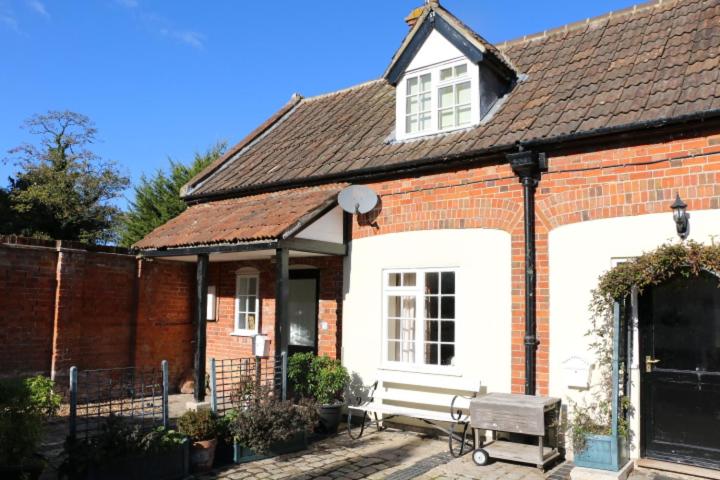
{"x":594,"y":444}
{"x":324,"y":380}
{"x":267,"y":427}
{"x":122,"y":450}
{"x":24,"y":406}
{"x":201,"y":427}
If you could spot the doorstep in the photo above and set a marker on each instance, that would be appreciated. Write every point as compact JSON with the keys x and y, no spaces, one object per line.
{"x":679,"y":468}
{"x":582,"y":473}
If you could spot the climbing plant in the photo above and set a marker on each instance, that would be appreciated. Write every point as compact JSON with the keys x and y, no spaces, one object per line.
{"x":652,"y":268}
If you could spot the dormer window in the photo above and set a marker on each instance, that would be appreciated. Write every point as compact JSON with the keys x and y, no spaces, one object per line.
{"x":438,"y":99}
{"x":446,"y":77}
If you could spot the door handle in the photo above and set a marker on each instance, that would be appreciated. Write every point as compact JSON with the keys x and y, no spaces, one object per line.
{"x":649,"y":362}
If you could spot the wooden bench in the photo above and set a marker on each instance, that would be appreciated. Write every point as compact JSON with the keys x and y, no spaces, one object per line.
{"x":434,"y":399}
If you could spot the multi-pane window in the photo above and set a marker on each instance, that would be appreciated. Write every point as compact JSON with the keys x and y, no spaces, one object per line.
{"x":454,"y":103}
{"x":420,"y":316}
{"x":247,"y":304}
{"x":438,"y":99}
{"x":418,"y":109}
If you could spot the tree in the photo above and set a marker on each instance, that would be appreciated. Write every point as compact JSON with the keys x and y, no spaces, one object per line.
{"x":63,"y":190}
{"x":157,"y":199}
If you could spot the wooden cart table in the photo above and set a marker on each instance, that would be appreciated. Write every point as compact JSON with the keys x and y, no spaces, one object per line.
{"x":514,"y":413}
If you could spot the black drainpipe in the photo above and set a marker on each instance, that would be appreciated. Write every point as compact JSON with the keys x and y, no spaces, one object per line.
{"x":527,"y":165}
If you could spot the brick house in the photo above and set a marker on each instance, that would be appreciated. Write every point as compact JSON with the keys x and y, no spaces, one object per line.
{"x":509,"y":177}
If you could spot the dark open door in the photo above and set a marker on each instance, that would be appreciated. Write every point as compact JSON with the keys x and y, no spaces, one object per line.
{"x":303,"y":310}
{"x":680,"y":365}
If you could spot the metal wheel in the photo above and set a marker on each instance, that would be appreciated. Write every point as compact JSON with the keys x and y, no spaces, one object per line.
{"x":480,"y":457}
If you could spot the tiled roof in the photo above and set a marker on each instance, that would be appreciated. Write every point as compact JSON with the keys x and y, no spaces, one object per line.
{"x":265,"y":216}
{"x":653,"y":63}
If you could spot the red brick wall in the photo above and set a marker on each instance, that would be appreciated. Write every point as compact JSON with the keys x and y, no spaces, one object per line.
{"x":91,"y":307}
{"x":27,"y":290}
{"x":222,"y":345}
{"x":165,"y":328}
{"x":588,"y":185}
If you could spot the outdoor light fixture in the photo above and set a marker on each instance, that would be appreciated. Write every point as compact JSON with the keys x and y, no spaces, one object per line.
{"x":681,"y":217}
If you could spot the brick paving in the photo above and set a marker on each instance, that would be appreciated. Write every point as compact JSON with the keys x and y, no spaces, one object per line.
{"x":390,"y":455}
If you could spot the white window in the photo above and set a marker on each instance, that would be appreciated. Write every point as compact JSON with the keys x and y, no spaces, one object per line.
{"x":438,"y":99}
{"x":419,"y":316}
{"x":418,"y":110}
{"x":247,"y":304}
{"x":454,"y":104}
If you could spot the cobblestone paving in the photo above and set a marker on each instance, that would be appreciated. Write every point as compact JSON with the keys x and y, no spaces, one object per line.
{"x":389,"y":455}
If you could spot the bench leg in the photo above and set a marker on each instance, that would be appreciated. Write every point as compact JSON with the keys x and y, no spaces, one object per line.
{"x":463,"y":440}
{"x":362,"y":425}
{"x":378,"y":423}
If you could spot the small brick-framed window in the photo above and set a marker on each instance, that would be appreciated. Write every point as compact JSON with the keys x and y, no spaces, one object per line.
{"x":247,"y":304}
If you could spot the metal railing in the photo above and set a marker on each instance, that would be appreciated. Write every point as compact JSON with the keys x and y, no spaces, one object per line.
{"x":230,"y":378}
{"x":139,"y":396}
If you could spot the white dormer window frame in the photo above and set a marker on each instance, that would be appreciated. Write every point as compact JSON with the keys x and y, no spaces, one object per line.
{"x":434,"y":99}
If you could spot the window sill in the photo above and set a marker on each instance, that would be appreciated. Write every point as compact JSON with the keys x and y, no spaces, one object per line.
{"x":450,"y":371}
{"x":243,"y":333}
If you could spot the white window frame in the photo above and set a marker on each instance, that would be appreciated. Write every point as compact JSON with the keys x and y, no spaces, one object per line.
{"x":435,"y":84}
{"x":418,"y":291}
{"x":245,"y":332}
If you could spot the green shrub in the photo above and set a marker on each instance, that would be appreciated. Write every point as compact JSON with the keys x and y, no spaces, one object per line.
{"x":199,"y":425}
{"x":118,"y":438}
{"x":329,"y":380}
{"x":24,"y":405}
{"x":299,"y":373}
{"x":321,"y":378}
{"x":225,"y":426}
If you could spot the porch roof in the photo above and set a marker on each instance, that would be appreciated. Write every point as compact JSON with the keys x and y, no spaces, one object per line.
{"x":260,"y":220}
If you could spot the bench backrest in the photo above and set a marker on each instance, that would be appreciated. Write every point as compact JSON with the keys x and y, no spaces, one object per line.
{"x":423,"y":389}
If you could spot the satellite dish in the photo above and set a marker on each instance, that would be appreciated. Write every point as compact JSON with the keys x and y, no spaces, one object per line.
{"x":357,"y":199}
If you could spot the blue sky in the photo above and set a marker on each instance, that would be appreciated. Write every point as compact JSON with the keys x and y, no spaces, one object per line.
{"x":168,"y":78}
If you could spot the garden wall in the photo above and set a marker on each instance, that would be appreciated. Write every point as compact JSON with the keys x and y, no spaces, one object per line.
{"x":66,"y":303}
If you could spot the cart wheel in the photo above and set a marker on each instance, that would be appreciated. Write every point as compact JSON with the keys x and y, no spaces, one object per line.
{"x":480,"y":457}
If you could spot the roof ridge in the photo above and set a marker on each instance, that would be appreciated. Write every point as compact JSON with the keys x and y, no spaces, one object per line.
{"x":343,"y":90}
{"x":633,"y":9}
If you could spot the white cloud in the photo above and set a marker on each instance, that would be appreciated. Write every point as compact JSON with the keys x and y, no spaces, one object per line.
{"x":188,"y":37}
{"x":9,"y":21}
{"x":128,"y":3}
{"x":38,"y":7}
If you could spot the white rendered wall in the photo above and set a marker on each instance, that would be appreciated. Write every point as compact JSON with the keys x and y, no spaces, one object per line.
{"x":328,"y":228}
{"x":579,"y":253}
{"x":436,"y":49}
{"x":483,"y":300}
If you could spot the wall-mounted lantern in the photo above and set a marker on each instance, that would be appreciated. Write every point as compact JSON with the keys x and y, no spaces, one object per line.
{"x":681,"y":217}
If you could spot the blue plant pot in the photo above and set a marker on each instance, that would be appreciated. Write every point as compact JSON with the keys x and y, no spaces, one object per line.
{"x":603,"y":452}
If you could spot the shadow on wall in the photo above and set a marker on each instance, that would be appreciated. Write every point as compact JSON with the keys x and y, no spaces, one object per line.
{"x":357,"y":391}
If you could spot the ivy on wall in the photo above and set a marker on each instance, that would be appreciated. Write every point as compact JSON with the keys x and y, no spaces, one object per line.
{"x":652,"y":268}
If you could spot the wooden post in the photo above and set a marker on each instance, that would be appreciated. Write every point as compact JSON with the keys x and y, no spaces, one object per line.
{"x":282,"y":297}
{"x":201,"y":319}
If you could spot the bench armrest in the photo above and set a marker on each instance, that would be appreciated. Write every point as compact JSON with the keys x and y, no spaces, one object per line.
{"x":457,"y":414}
{"x":371,"y":393}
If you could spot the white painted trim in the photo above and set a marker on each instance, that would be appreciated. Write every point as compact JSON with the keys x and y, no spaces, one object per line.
{"x":237,"y":331}
{"x":243,"y":333}
{"x":435,"y":85}
{"x":417,"y":291}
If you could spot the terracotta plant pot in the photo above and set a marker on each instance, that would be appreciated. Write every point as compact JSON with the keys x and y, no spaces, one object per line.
{"x":202,"y":455}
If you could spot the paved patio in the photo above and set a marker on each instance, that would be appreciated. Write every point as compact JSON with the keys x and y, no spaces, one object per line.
{"x":392,"y":455}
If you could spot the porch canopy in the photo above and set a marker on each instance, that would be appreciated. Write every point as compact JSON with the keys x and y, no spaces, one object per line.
{"x":298,"y":222}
